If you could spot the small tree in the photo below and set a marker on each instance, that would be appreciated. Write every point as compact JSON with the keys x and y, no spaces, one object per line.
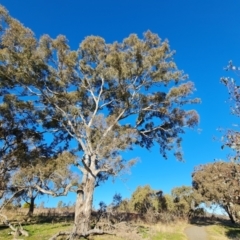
{"x":219,"y":183}
{"x":143,"y":199}
{"x":105,"y":97}
{"x":43,"y":176}
{"x":184,"y":200}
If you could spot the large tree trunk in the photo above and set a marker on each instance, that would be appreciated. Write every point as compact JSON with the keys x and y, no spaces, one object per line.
{"x":31,"y":207}
{"x":83,"y":206}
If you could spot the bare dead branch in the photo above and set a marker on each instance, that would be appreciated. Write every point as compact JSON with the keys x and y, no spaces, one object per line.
{"x":53,"y":193}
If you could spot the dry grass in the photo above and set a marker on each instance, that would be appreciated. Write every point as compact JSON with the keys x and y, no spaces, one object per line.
{"x":155,"y":232}
{"x":173,"y":231}
{"x":178,"y":226}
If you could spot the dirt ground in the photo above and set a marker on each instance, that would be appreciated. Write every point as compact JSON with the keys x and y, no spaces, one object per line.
{"x":195,"y":232}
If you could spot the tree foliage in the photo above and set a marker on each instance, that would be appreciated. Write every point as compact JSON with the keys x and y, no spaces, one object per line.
{"x":19,"y":139}
{"x":155,"y":206}
{"x":231,"y":138}
{"x":184,"y":200}
{"x":167,"y":204}
{"x":143,"y":199}
{"x":219,"y":183}
{"x":40,"y":174}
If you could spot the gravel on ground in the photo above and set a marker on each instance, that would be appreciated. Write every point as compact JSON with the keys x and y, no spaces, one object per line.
{"x":195,"y":232}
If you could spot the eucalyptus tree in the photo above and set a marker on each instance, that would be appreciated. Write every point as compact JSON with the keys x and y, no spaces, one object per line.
{"x":106,"y":98}
{"x":44,"y":176}
{"x":218,"y":183}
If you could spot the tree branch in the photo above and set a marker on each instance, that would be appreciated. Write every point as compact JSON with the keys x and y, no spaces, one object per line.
{"x":154,"y":129}
{"x":53,"y":193}
{"x":96,"y":100}
{"x":109,"y":129}
{"x":10,"y":199}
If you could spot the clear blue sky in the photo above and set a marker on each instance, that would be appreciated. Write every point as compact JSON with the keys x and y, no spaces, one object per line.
{"x":205,"y":35}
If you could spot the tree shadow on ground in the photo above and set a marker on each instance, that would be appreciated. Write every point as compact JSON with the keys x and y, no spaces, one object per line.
{"x":202,"y":221}
{"x":206,"y":221}
{"x":233,"y":232}
{"x":3,"y":227}
{"x":51,"y":219}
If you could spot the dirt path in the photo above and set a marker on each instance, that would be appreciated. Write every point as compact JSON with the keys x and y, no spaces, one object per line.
{"x":195,"y":232}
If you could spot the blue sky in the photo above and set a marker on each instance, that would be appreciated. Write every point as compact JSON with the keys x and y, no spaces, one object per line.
{"x":205,"y":35}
